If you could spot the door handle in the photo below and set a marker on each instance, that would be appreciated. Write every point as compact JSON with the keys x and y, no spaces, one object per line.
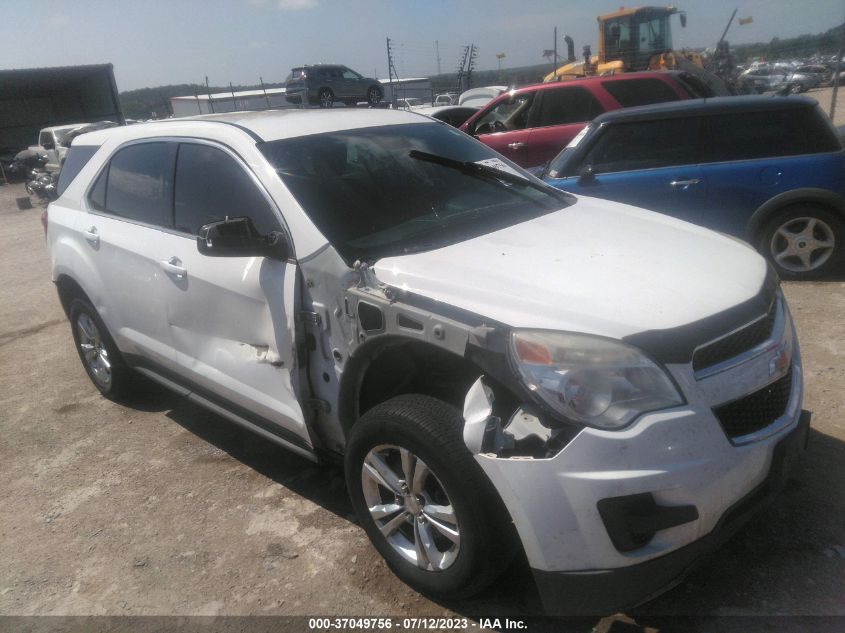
{"x":92,"y":236}
{"x":516,"y":145}
{"x":683,"y":184}
{"x":173,"y":267}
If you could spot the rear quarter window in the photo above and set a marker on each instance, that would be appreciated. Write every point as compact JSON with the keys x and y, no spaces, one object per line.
{"x":77,"y":157}
{"x":638,"y":92}
{"x":756,"y":135}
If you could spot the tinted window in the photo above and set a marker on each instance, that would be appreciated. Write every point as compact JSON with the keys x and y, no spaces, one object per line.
{"x":749,"y":135}
{"x":211,"y":185}
{"x":140,"y":181}
{"x":97,"y":196}
{"x":566,"y":105}
{"x":507,"y":115}
{"x":643,"y":145}
{"x":636,"y":92}
{"x":77,"y":157}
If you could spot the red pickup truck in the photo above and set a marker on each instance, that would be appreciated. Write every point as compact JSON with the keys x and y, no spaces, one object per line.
{"x":531,"y":125}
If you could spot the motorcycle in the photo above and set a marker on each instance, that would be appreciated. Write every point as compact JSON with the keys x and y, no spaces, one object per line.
{"x":25,"y":165}
{"x":43,"y":186}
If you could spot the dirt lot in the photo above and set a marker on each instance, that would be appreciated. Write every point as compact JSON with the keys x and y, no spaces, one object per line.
{"x":157,"y":507}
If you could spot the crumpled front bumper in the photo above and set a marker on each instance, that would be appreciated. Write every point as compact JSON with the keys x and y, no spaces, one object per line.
{"x":617,"y":517}
{"x":602,"y":591}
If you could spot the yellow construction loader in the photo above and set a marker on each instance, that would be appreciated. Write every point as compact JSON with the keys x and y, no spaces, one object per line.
{"x":631,"y":40}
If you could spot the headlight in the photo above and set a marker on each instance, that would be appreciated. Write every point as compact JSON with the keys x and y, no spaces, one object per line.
{"x":595,"y":381}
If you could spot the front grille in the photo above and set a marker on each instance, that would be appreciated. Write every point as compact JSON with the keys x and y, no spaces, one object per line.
{"x":735,"y":344}
{"x":757,"y":410}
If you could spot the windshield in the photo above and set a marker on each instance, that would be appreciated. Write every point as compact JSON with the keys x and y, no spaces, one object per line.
{"x":371,"y":194}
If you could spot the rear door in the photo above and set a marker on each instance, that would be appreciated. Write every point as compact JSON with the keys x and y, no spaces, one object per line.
{"x":504,"y":127}
{"x":649,"y":164}
{"x":231,"y":319}
{"x":557,"y":116}
{"x":129,"y":210}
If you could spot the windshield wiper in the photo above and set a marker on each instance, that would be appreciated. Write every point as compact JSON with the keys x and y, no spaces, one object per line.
{"x":486,"y":171}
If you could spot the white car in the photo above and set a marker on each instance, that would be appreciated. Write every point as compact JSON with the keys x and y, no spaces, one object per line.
{"x":499,"y":364}
{"x":50,"y":143}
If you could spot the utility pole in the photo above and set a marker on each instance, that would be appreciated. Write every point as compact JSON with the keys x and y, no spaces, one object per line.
{"x":208,"y":91}
{"x":234,"y":103}
{"x":437,"y":51}
{"x":837,"y":71}
{"x":555,"y":58}
{"x":391,"y":72}
{"x":266,"y":98}
{"x":499,"y":58}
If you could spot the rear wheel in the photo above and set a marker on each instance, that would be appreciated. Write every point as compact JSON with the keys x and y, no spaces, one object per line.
{"x":374,"y":96}
{"x":804,"y":241}
{"x":424,"y":502}
{"x":97,"y":351}
{"x":325,"y":97}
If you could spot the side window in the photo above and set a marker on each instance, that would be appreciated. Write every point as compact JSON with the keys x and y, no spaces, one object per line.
{"x":97,"y":196}
{"x":644,"y":145}
{"x":750,"y":135}
{"x":77,"y":157}
{"x":637,"y":92}
{"x":508,"y":114}
{"x":350,"y":74}
{"x":211,"y":185}
{"x":566,"y":105}
{"x":44,"y":137}
{"x":139,"y":185}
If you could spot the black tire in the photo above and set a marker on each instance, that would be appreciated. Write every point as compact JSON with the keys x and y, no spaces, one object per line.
{"x":818,"y":225}
{"x":325,"y":98}
{"x":119,"y":380}
{"x":374,"y":95}
{"x":431,"y":430}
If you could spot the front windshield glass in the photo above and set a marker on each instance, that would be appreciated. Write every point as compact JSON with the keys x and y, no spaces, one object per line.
{"x":371,"y":196}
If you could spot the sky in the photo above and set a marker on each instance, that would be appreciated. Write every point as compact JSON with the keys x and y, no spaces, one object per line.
{"x":158,"y":42}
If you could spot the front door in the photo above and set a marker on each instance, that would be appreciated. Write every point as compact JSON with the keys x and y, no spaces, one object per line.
{"x":648,"y":164}
{"x":231,"y":319}
{"x":504,"y":127}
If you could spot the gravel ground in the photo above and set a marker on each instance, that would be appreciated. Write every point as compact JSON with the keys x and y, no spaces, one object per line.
{"x":155,"y":506}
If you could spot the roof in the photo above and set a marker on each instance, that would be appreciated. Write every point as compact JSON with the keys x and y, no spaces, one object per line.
{"x":265,"y":125}
{"x":714,"y":105}
{"x":578,"y":81}
{"x":31,"y":79}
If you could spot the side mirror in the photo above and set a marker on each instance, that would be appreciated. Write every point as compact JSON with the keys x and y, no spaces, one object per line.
{"x":49,"y":145}
{"x":587,"y":176}
{"x":238,"y":237}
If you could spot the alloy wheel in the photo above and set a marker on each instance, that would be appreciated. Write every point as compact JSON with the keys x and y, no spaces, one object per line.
{"x":802,"y":244}
{"x":94,"y":350}
{"x":410,"y":507}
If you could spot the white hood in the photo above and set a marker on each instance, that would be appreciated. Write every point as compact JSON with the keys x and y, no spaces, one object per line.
{"x":597,"y":267}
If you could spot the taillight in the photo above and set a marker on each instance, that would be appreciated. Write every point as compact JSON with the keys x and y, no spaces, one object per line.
{"x":44,"y":221}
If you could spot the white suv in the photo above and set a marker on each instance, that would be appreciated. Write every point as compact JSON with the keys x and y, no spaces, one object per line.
{"x":499,"y":364}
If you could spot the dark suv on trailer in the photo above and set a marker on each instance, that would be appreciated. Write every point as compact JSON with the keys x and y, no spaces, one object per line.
{"x":767,"y":169}
{"x":323,"y":84}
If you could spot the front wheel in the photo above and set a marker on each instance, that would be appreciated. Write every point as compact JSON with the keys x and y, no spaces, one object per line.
{"x":424,"y":502}
{"x":804,"y":241}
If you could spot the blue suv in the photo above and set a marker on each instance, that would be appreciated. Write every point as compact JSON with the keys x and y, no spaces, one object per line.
{"x":770,"y":170}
